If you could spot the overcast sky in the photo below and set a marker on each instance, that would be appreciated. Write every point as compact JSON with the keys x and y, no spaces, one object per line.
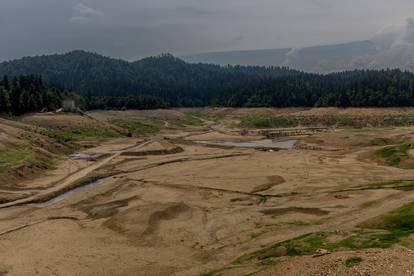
{"x":132,"y":29}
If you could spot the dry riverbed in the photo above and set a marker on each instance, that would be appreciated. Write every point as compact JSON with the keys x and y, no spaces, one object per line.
{"x":208,"y":198}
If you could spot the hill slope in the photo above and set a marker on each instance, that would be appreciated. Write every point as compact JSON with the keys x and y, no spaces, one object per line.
{"x":326,"y":58}
{"x":166,"y":81}
{"x":154,"y":82}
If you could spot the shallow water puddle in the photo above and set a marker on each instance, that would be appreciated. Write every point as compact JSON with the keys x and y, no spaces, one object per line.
{"x":266,"y":143}
{"x":72,"y":192}
{"x":87,"y":156}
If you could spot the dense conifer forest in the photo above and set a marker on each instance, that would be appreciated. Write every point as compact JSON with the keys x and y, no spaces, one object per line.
{"x":33,"y":83}
{"x":24,"y":94}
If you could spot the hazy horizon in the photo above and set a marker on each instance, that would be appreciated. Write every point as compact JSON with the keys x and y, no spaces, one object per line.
{"x":135,"y":29}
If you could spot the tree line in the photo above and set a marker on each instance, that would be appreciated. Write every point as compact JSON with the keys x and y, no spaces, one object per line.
{"x":23,"y":94}
{"x":166,"y":81}
{"x":359,"y":88}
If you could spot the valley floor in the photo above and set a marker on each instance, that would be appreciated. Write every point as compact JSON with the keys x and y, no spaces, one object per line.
{"x":165,"y":204}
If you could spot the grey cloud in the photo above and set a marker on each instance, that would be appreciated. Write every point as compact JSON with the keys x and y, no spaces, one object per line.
{"x":133,"y":29}
{"x":395,"y":47}
{"x":83,"y":12}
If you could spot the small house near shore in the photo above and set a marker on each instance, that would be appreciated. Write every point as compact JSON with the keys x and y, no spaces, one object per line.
{"x":69,"y":105}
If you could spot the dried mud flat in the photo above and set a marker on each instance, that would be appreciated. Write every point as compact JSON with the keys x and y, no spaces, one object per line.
{"x":171,"y":206}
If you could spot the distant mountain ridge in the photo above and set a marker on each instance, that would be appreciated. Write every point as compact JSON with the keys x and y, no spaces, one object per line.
{"x":376,"y":54}
{"x":323,"y":59}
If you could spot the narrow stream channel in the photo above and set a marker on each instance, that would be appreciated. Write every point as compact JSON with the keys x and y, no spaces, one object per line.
{"x":71,"y":193}
{"x":266,"y":143}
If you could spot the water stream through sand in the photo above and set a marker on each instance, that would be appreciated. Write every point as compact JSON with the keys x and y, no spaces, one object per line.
{"x":70,"y":193}
{"x":266,"y":143}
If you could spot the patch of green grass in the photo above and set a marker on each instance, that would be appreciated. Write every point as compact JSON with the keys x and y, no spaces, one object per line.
{"x":383,"y":142}
{"x":399,"y":222}
{"x":402,"y":185}
{"x":393,"y":155}
{"x":10,"y":157}
{"x":399,"y":120}
{"x":85,"y":133}
{"x":308,"y":244}
{"x":135,"y":127}
{"x":70,"y":138}
{"x":266,"y":262}
{"x":364,"y":240}
{"x":63,"y":137}
{"x":352,"y":261}
{"x":380,"y":232}
{"x":263,"y":199}
{"x":193,"y":118}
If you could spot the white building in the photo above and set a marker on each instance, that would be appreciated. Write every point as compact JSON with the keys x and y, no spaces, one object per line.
{"x":69,"y":105}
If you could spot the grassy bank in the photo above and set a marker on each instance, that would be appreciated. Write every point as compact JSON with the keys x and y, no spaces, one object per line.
{"x":285,"y":121}
{"x":193,"y":118}
{"x":71,"y":138}
{"x":11,"y":157}
{"x":395,"y":154}
{"x":380,"y":232}
{"x":136,"y":128}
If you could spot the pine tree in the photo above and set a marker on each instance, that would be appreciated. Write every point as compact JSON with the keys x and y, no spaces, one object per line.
{"x":6,"y":83}
{"x":4,"y":101}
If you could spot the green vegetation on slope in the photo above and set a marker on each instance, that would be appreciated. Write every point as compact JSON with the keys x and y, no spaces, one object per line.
{"x":399,"y":120}
{"x":380,"y":232}
{"x":134,"y":127}
{"x":399,"y":223}
{"x":193,"y":118}
{"x":393,"y":155}
{"x":71,"y":138}
{"x":308,"y":244}
{"x":360,"y":124}
{"x":352,"y":261}
{"x":11,"y":157}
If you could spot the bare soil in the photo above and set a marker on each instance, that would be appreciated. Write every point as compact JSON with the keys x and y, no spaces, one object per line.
{"x":194,"y":210}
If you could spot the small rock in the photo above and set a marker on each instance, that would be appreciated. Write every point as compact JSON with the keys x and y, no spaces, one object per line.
{"x":321,"y":252}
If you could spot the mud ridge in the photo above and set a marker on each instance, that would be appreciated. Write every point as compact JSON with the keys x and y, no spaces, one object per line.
{"x":190,"y":187}
{"x":283,"y":211}
{"x":174,"y":150}
{"x":20,"y":227}
{"x":169,"y":213}
{"x":274,"y":180}
{"x":186,"y":159}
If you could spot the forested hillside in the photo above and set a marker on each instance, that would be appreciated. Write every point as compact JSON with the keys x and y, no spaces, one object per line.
{"x":166,"y":81}
{"x":154,"y":81}
{"x":355,"y":88}
{"x":28,"y":93}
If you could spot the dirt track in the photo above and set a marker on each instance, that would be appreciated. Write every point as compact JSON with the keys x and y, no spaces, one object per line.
{"x":195,"y":210}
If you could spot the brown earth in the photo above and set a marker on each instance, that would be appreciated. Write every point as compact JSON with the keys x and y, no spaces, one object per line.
{"x":396,"y":261}
{"x":165,"y":212}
